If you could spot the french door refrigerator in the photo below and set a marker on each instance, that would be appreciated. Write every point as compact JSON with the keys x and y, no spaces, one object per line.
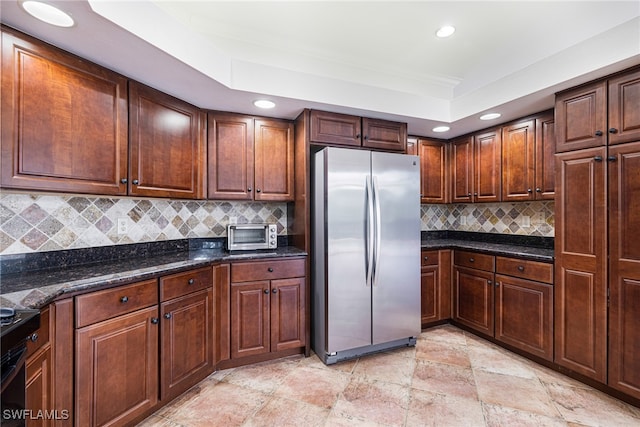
{"x":366,"y":252}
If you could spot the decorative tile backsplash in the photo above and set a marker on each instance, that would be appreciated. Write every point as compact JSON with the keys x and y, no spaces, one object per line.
{"x":49,"y":222}
{"x":507,"y":218}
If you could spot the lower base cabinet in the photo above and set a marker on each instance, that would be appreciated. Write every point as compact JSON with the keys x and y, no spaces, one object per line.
{"x":514,"y":305}
{"x":267,"y":307}
{"x":39,"y":380}
{"x":435,"y":287}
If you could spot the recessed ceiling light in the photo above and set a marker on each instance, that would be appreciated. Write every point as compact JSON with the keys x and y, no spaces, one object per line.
{"x":445,"y":31}
{"x":48,"y":13}
{"x":490,"y":116}
{"x":441,"y":128}
{"x":264,"y":103}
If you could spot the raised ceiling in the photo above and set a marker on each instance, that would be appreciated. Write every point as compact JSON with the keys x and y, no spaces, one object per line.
{"x":373,"y":58}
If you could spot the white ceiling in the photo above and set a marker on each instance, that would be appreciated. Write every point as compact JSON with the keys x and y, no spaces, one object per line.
{"x":371,"y":58}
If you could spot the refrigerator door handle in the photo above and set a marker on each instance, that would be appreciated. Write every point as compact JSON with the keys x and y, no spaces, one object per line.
{"x":370,"y":231}
{"x":376,"y":232}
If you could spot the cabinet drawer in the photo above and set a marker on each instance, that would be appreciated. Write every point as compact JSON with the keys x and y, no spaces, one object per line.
{"x":429,"y":258}
{"x":102,"y":305}
{"x":267,"y":270}
{"x":533,"y":270}
{"x":184,"y":283}
{"x":474,"y":260}
{"x":41,"y":336}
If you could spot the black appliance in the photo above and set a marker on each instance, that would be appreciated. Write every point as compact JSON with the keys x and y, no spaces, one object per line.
{"x":15,"y":327}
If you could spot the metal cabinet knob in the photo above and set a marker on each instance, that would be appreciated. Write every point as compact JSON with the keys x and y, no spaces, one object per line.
{"x":249,"y":189}
{"x":612,"y":158}
{"x":167,"y":316}
{"x":613,"y":130}
{"x":598,"y":133}
{"x":124,"y":299}
{"x":529,"y":190}
{"x":521,"y":268}
{"x":154,"y":320}
{"x":472,"y":260}
{"x":258,"y":190}
{"x":124,"y":180}
{"x":538,"y":190}
{"x":426,"y":258}
{"x":34,"y":337}
{"x":191,"y":282}
{"x":266,"y":291}
{"x":270,"y":270}
{"x":598,"y":158}
{"x":275,"y":291}
{"x":488,"y":282}
{"x":135,"y":182}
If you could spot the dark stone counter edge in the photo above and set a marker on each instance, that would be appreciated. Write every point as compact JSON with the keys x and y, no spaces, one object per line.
{"x":36,"y":289}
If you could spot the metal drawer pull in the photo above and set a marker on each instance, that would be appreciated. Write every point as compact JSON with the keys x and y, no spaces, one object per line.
{"x":275,"y":291}
{"x":472,"y":260}
{"x":191,"y":281}
{"x":270,"y":270}
{"x":521,"y":268}
{"x":154,"y":320}
{"x":167,"y":316}
{"x":266,"y":291}
{"x":34,"y":337}
{"x":124,"y":299}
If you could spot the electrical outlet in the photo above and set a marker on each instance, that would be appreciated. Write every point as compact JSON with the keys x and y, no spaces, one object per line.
{"x":463,"y":220}
{"x":123,"y":225}
{"x":525,"y":221}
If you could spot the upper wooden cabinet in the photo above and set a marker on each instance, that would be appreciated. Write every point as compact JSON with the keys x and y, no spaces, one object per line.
{"x":462,"y":170}
{"x":250,"y":159}
{"x":528,"y":171}
{"x":600,"y":113}
{"x":273,"y":159}
{"x":167,"y":145}
{"x":343,"y":129}
{"x":476,"y":168}
{"x":434,"y":182}
{"x":64,"y":120}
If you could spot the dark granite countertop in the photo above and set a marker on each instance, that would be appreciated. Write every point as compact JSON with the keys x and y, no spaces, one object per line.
{"x":37,"y":288}
{"x":525,"y":247}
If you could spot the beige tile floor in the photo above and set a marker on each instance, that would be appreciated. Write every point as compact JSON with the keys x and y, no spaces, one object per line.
{"x":451,"y":378}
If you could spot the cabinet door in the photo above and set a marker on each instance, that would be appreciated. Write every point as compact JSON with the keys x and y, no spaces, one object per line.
{"x":624,"y":108}
{"x":524,"y":315}
{"x":288,"y":318}
{"x":273,"y":160}
{"x":473,"y":299}
{"x":384,"y":135}
{"x":64,"y":121}
{"x":186,"y":354}
{"x":116,"y":370}
{"x":230,"y":157}
{"x":624,"y":268}
{"x":581,"y":117}
{"x":250,"y":318}
{"x":39,"y":386}
{"x":487,"y":168}
{"x":334,"y":128}
{"x":462,"y":170}
{"x":429,"y":294}
{"x":545,"y":160}
{"x":166,"y":145}
{"x":434,"y":185}
{"x":518,"y":161}
{"x":580,"y":289}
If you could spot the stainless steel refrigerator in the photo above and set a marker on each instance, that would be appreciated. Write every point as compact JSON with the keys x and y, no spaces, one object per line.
{"x":366,"y":252}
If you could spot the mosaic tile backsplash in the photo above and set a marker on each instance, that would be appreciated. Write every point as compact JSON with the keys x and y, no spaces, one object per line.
{"x":523,"y":218}
{"x":49,"y":222}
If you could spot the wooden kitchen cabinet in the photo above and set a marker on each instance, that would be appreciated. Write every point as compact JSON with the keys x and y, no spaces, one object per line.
{"x":116,"y":354}
{"x":580,"y":289}
{"x":476,"y":168}
{"x":64,"y":120}
{"x":624,"y":268}
{"x":524,"y":305}
{"x":167,"y":151}
{"x":528,"y":149}
{"x":39,"y":376}
{"x":268,"y":305}
{"x":343,"y":129}
{"x":473,"y":277}
{"x":434,"y":182}
{"x":250,"y":158}
{"x":604,"y":112}
{"x":435,"y":283}
{"x":186,"y":345}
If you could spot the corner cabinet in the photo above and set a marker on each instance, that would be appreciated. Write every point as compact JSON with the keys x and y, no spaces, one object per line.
{"x":64,"y":121}
{"x":267,"y":308}
{"x":343,"y":129}
{"x":167,"y":145}
{"x":250,"y":158}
